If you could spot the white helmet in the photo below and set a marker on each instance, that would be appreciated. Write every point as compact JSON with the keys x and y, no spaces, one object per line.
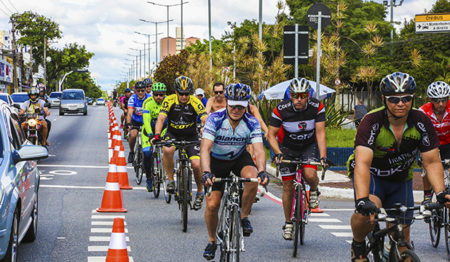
{"x":438,"y":89}
{"x":199,"y":91}
{"x":299,"y":85}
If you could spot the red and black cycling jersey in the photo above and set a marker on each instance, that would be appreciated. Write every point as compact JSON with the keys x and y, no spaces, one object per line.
{"x":297,"y":127}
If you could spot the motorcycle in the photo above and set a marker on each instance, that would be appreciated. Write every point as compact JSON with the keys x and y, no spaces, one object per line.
{"x":33,"y":133}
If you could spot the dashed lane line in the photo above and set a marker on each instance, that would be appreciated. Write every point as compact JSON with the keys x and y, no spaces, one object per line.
{"x":77,"y":166}
{"x":319,"y":215}
{"x":336,"y":227}
{"x":324,"y":220}
{"x":83,"y":187}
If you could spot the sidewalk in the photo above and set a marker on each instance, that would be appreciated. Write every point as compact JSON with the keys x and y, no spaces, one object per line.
{"x":337,"y":185}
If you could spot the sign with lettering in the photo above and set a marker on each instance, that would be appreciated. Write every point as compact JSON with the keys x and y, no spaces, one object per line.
{"x":433,"y":23}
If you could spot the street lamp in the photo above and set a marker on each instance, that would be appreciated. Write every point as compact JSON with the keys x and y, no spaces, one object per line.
{"x":64,"y":77}
{"x":156,"y":27}
{"x":140,"y":61}
{"x":143,"y":51}
{"x":148,"y":35}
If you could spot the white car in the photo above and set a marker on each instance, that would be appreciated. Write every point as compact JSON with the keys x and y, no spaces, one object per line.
{"x":100,"y":101}
{"x":55,"y":99}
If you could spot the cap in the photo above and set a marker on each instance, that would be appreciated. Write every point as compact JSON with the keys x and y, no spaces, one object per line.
{"x":199,"y":91}
{"x":243,"y":103}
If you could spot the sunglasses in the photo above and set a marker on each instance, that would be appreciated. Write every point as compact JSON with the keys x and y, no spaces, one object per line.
{"x":183,"y":94}
{"x":155,"y":94}
{"x":237,"y":107}
{"x":218,"y":92}
{"x":200,"y":95}
{"x":439,"y":100}
{"x":299,"y":95}
{"x":140,"y":90}
{"x":397,"y":99}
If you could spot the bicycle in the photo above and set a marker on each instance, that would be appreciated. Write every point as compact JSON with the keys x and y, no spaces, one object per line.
{"x":388,"y":251}
{"x":446,"y":211}
{"x":138,"y":162}
{"x":158,"y":174}
{"x":300,"y":209}
{"x":183,"y":193}
{"x":229,"y":230}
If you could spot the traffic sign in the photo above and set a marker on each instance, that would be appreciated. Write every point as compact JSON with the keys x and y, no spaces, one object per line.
{"x":313,"y":13}
{"x":433,"y":23}
{"x":289,"y":45}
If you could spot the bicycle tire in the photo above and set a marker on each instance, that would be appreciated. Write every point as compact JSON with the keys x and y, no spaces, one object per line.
{"x":434,"y":227}
{"x":296,"y":220}
{"x":138,"y":166}
{"x":304,"y":212}
{"x":377,"y":246}
{"x":236,"y":236}
{"x":156,"y":177}
{"x":184,"y":194}
{"x":409,"y":254}
{"x":447,"y":231}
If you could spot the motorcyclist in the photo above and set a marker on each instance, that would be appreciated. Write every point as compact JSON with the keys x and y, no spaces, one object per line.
{"x":44,"y":96}
{"x":32,"y":106}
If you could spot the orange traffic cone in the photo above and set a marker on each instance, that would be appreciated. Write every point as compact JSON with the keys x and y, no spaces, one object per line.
{"x":112,"y":196}
{"x":314,"y":210}
{"x":122,"y":173}
{"x":117,"y":251}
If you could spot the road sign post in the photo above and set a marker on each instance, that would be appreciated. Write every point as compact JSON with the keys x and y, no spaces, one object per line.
{"x":432,"y":23}
{"x":295,"y":46}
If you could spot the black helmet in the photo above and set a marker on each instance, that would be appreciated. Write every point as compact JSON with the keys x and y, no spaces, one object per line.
{"x":139,"y":85}
{"x":148,"y":82}
{"x":396,"y":83}
{"x":183,"y":84}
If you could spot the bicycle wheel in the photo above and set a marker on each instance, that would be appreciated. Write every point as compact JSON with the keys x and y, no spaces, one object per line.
{"x":304,"y":212}
{"x":138,"y":165}
{"x":184,"y":195}
{"x":296,"y":219}
{"x":235,"y":248}
{"x":434,"y":226}
{"x":447,"y":230}
{"x":376,"y":246}
{"x":409,"y":255}
{"x":156,"y":176}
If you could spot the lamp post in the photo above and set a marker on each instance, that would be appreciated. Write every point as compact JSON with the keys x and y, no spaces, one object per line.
{"x":209,"y":29}
{"x":65,"y":75}
{"x":143,"y":51}
{"x":148,"y":36}
{"x":140,"y":62}
{"x":156,"y":28}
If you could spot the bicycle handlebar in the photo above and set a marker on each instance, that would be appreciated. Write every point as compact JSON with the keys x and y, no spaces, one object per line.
{"x":424,"y":211}
{"x":301,"y":162}
{"x":230,"y":179}
{"x":179,"y":143}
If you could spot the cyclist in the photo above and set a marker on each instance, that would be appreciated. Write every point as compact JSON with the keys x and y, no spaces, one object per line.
{"x":438,"y":110}
{"x":200,"y":94}
{"x":223,"y":149}
{"x":151,"y":108}
{"x":217,"y":101}
{"x":124,"y":106}
{"x":134,"y":116}
{"x":148,"y":82}
{"x":300,"y":125}
{"x":33,"y":105}
{"x":181,"y":111}
{"x":386,"y":144}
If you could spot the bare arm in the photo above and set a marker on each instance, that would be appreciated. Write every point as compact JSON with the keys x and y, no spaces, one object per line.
{"x":321,"y":138}
{"x":47,"y":113}
{"x":205,"y":154}
{"x":273,"y":131}
{"x":130,"y":114}
{"x":260,"y":155}
{"x":361,"y":176}
{"x":435,"y":172}
{"x":209,"y":105}
{"x":257,"y":115}
{"x":159,"y":123}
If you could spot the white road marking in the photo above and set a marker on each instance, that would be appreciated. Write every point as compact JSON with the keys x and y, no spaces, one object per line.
{"x":84,"y":187}
{"x":107,"y":216}
{"x":336,"y":227}
{"x":348,"y":241}
{"x":78,"y":166}
{"x":337,"y":209}
{"x":342,"y":234}
{"x":324,"y":220}
{"x":103,"y":239}
{"x":46,"y":178}
{"x":104,"y":223}
{"x":63,"y":172}
{"x":104,"y":230}
{"x":319,"y":215}
{"x":101,"y":249}
{"x":102,"y":259}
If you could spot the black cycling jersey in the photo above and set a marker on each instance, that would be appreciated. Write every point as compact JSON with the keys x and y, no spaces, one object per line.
{"x":297,"y":127}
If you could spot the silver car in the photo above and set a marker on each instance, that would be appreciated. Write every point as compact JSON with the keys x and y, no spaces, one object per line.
{"x":73,"y":101}
{"x":54,"y":99}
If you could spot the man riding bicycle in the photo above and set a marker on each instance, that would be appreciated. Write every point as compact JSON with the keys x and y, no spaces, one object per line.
{"x":151,"y":108}
{"x":386,"y":145}
{"x":124,"y":106}
{"x":148,"y":85}
{"x":299,"y":125}
{"x":134,"y":116}
{"x":438,"y":110}
{"x":223,"y":149}
{"x":32,"y":106}
{"x":181,"y":111}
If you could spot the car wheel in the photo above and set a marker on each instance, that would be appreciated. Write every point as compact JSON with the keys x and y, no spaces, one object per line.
{"x":32,"y":230}
{"x":11,"y":252}
{"x":85,"y":113}
{"x":61,"y":113}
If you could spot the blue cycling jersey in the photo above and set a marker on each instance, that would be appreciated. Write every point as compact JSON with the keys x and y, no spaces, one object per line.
{"x":228,"y":143}
{"x":136,"y":103}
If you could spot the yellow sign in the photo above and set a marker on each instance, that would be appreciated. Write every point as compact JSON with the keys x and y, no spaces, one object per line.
{"x":433,"y":17}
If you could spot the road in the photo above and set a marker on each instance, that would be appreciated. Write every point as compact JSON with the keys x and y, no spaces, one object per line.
{"x":72,"y":183}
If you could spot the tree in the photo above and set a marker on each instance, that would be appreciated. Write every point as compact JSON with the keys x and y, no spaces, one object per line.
{"x":170,"y":68}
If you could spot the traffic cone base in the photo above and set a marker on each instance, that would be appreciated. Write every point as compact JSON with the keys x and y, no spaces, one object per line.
{"x":112,"y":196}
{"x":117,"y":251}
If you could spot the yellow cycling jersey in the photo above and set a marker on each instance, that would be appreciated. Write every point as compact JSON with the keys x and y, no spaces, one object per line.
{"x":182,"y":117}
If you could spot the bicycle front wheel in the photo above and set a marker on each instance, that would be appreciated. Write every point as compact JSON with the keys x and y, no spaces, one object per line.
{"x":304,"y":214}
{"x":409,"y":255}
{"x":156,"y":176}
{"x":434,"y":227}
{"x":184,"y":195}
{"x":235,"y":248}
{"x":296,"y":219}
{"x":447,"y":230}
{"x":138,"y":168}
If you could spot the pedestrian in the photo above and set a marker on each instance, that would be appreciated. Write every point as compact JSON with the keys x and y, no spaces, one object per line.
{"x":360,"y":112}
{"x":200,"y":94}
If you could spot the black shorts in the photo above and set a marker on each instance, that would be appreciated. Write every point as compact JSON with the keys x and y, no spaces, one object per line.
{"x":193,"y":151}
{"x":308,"y":153}
{"x":222,"y":168}
{"x":444,"y":151}
{"x":135,"y":125}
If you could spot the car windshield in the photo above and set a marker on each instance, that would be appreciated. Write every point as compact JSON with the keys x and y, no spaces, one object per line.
{"x":4,"y":98}
{"x":101,"y":99}
{"x":19,"y":98}
{"x":72,"y":96}
{"x":55,"y":95}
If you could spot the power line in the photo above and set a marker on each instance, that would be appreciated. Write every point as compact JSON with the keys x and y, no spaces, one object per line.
{"x":7,"y":8}
{"x":13,"y":6}
{"x":8,"y":15}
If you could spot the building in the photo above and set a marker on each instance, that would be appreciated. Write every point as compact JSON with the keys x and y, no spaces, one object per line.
{"x":163,"y":47}
{"x":191,"y":40}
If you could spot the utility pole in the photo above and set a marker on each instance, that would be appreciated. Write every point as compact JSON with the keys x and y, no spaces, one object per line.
{"x":148,"y":36}
{"x":45,"y":60}
{"x":260,"y":20}
{"x":15,"y":83}
{"x":156,"y":28}
{"x":209,"y":26}
{"x":392,"y":4}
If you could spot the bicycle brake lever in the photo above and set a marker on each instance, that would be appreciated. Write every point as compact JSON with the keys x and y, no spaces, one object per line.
{"x":208,"y":191}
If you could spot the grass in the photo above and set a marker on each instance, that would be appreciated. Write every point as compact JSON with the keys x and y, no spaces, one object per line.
{"x":340,"y":137}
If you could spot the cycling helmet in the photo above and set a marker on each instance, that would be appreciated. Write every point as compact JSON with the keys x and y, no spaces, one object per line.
{"x":438,"y":89}
{"x":397,"y":82}
{"x":183,"y":84}
{"x":159,"y":87}
{"x":299,"y":85}
{"x":199,"y":91}
{"x":33,"y":91}
{"x":127,"y":90}
{"x":238,"y":94}
{"x":139,"y":85}
{"x":148,"y":82}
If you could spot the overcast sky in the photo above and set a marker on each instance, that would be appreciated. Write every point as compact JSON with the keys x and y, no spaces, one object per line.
{"x":106,"y":27}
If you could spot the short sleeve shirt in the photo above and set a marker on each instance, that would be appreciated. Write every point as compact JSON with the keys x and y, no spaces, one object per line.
{"x":136,"y":103}
{"x":31,"y":107}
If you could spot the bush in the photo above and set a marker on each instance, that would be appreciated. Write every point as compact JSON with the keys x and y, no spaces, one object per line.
{"x":340,"y":137}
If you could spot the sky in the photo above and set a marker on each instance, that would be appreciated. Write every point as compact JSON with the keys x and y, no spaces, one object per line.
{"x":107,"y":27}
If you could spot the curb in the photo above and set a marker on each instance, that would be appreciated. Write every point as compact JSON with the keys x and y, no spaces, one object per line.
{"x":338,"y":193}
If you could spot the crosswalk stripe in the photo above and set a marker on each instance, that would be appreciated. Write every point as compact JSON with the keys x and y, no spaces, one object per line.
{"x":324,"y":220}
{"x":103,"y":239}
{"x":104,"y":223}
{"x":342,"y":234}
{"x":102,"y":248}
{"x":107,"y":216}
{"x":319,"y":215}
{"x":104,"y":230}
{"x":336,"y":227}
{"x":102,"y":259}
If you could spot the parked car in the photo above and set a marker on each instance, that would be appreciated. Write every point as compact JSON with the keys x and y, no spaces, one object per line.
{"x":100,"y":101}
{"x":55,"y":99}
{"x":19,"y":98}
{"x":89,"y":100}
{"x":73,"y":101}
{"x":7,"y":98}
{"x":19,"y":185}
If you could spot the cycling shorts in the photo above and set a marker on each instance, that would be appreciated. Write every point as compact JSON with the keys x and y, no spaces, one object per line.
{"x":392,"y":192}
{"x":193,"y":151}
{"x":135,"y":125}
{"x":308,"y":153}
{"x":222,"y":168}
{"x":444,"y":151}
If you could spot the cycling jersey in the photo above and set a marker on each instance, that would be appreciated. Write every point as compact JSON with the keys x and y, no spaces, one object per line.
{"x":391,"y":161}
{"x":136,"y":103}
{"x":297,"y":127}
{"x":182,"y":117}
{"x":442,"y":127}
{"x":230,"y":143}
{"x":124,"y":101}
